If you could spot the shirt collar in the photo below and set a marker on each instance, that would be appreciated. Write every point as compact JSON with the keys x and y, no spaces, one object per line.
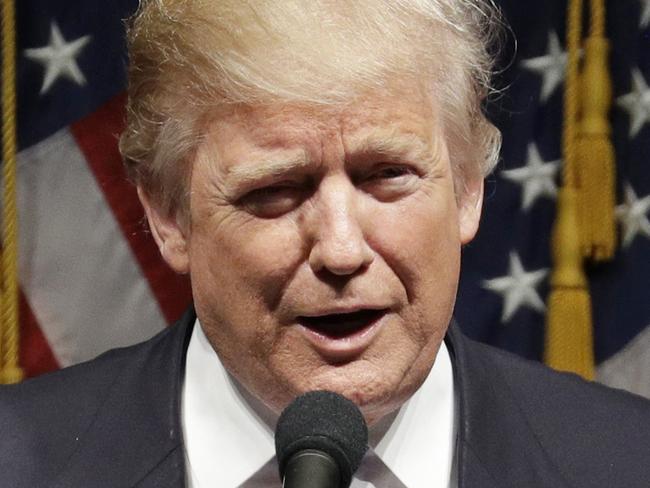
{"x":228,"y":433}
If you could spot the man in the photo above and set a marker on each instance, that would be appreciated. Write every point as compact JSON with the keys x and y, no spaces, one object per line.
{"x":315,"y":167}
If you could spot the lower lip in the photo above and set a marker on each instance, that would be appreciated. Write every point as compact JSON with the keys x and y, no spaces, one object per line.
{"x":340,"y":349}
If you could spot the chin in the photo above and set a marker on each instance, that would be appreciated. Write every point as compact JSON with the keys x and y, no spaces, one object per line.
{"x":376,"y":395}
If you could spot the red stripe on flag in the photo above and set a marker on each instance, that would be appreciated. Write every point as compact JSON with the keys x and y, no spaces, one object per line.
{"x":35,"y":354}
{"x":97,"y":136}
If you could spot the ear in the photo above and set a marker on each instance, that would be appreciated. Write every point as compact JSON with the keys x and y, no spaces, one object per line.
{"x":469,"y":209}
{"x":168,"y":234}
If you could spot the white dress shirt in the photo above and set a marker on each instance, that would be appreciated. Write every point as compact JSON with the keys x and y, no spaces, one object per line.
{"x":229,"y":442}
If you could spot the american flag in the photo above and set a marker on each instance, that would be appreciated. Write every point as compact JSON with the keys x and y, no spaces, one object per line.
{"x":91,"y":276}
{"x":505,"y":278}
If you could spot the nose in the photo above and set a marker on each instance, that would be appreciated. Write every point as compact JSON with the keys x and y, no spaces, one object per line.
{"x":339,"y":244}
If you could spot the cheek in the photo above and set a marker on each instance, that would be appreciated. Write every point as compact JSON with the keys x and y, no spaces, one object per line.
{"x":418,"y":239}
{"x":239,"y":272}
{"x":254,"y":258}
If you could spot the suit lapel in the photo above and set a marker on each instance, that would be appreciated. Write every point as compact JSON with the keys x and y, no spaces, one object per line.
{"x":135,"y":438}
{"x":495,"y":445}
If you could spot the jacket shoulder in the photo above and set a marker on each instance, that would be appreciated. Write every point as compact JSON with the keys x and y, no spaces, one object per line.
{"x":43,"y":419}
{"x":537,"y":382}
{"x":595,"y":435}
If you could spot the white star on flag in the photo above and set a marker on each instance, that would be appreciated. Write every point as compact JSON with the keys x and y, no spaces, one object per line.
{"x":537,"y":177}
{"x":645,"y":13}
{"x":59,"y":58}
{"x":551,"y":66}
{"x":636,"y":103}
{"x":517,"y":288}
{"x":633,"y":215}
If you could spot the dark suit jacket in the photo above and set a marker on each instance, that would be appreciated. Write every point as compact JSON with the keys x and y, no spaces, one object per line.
{"x":115,"y":422}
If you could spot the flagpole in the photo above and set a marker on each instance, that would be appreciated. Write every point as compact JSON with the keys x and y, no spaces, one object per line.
{"x":10,"y":371}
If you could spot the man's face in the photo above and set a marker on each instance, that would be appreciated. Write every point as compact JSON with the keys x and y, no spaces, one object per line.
{"x":324,"y":247}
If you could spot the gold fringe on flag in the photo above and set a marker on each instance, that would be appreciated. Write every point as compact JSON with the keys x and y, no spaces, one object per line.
{"x":569,"y":332}
{"x":10,"y":371}
{"x":569,"y":335}
{"x":594,"y":158}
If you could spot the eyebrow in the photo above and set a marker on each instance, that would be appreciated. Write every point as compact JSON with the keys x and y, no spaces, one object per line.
{"x":267,"y":167}
{"x":393,"y":143}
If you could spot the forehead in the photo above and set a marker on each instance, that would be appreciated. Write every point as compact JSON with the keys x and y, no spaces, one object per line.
{"x":366,"y":124}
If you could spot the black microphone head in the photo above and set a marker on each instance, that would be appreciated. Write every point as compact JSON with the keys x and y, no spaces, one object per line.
{"x":327,"y":422}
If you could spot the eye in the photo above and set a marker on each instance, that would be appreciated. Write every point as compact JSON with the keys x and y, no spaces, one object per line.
{"x":390,"y":182}
{"x":391,"y":172}
{"x":273,"y":201}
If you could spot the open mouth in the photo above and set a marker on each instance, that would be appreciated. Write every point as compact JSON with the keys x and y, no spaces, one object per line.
{"x":342,"y":325}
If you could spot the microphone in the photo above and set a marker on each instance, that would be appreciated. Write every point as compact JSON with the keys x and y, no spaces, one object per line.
{"x":320,"y":440}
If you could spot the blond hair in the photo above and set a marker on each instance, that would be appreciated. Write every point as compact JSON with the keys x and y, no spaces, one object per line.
{"x":189,"y":57}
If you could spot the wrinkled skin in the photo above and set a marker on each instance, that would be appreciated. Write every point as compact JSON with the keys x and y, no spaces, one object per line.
{"x":298,"y":211}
